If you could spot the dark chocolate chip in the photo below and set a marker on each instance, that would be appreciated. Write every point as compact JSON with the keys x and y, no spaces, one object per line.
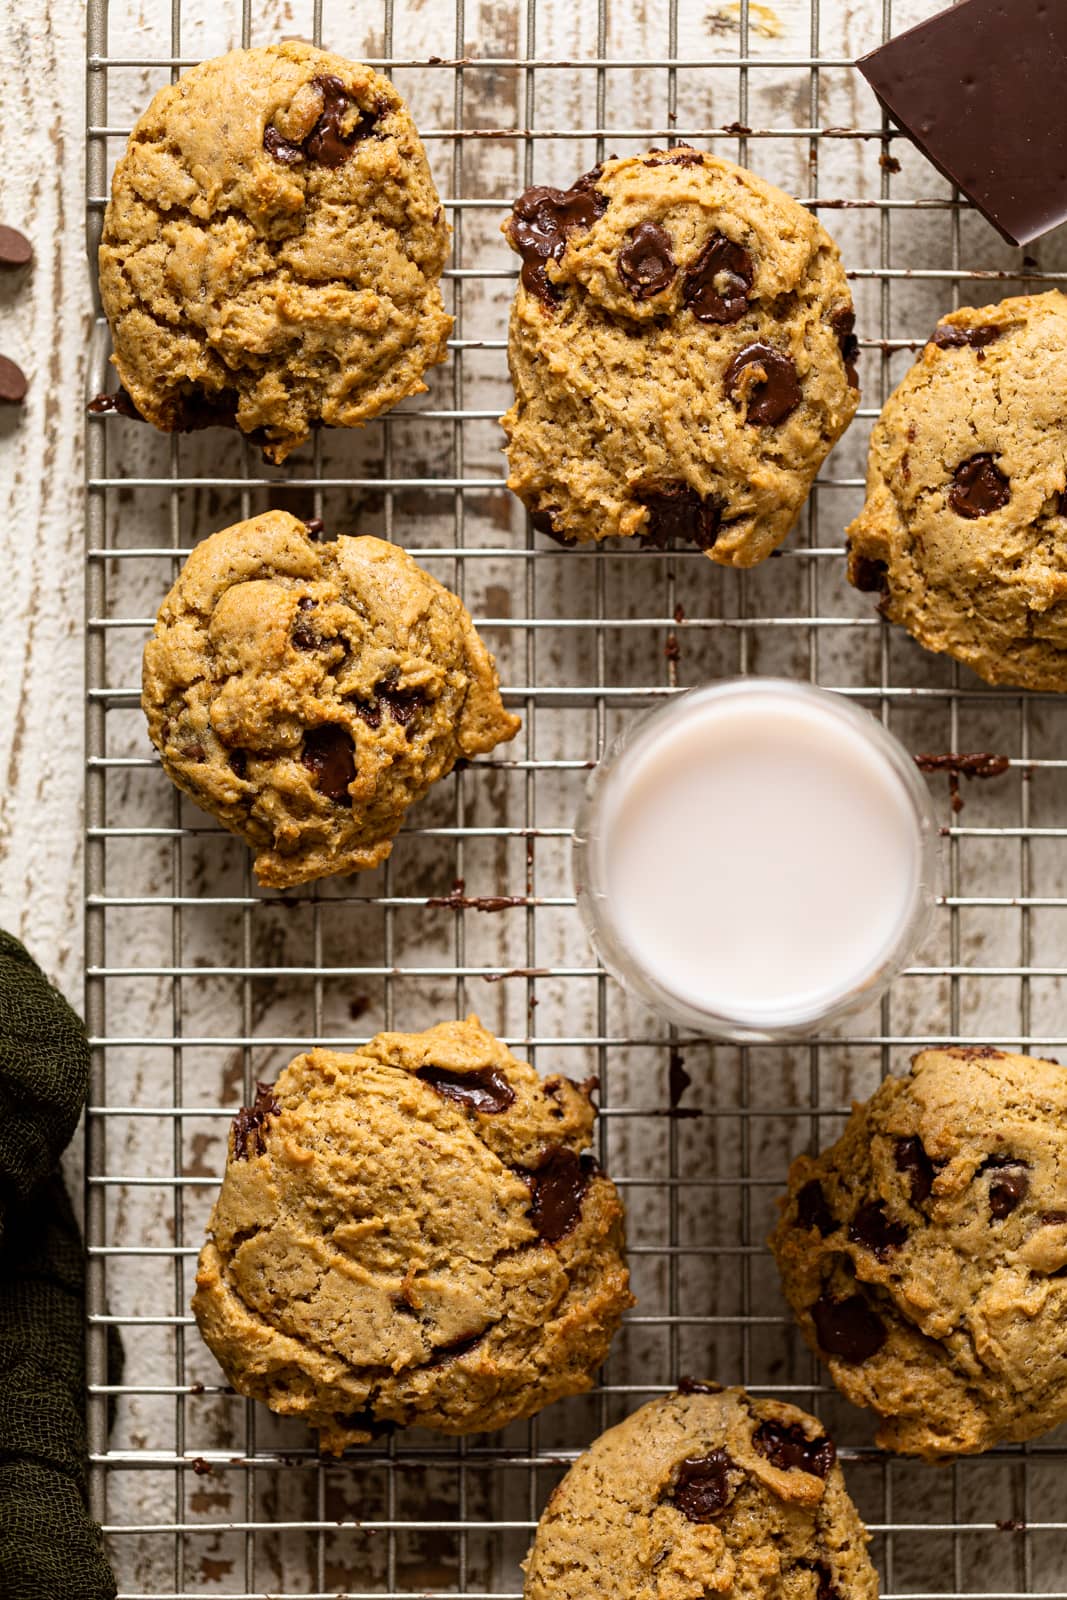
{"x":676,"y":511}
{"x":250,"y":1123}
{"x":911,"y":1159}
{"x":812,"y":1209}
{"x":646,"y":263}
{"x":335,"y":134}
{"x":947,"y":337}
{"x":703,"y":1486}
{"x":541,"y":221}
{"x":868,"y":575}
{"x":772,"y":397}
{"x":303,"y":635}
{"x":1053,"y":1219}
{"x":787,"y":1447}
{"x":238,"y":760}
{"x":13,"y":384}
{"x":696,"y":1386}
{"x":872,"y":1229}
{"x":483,"y":1090}
{"x":843,"y":322}
{"x":15,"y":249}
{"x":371,"y":715}
{"x":1009,"y":1188}
{"x":315,"y":527}
{"x":978,"y":488}
{"x":557,"y":1188}
{"x":330,"y":754}
{"x":847,"y":1328}
{"x":717,"y":284}
{"x":544,"y":521}
{"x":401,"y":704}
{"x":827,"y":1589}
{"x":193,"y":752}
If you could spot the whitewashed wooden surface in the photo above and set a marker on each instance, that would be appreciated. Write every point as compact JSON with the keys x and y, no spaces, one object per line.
{"x":44,"y":324}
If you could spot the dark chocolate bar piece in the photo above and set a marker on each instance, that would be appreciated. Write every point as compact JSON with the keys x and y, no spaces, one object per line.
{"x":982,"y":91}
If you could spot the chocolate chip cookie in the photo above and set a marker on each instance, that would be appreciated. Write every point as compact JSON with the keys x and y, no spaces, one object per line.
{"x":272,"y":249}
{"x":682,"y":352}
{"x":707,"y":1492}
{"x":925,"y":1253}
{"x":307,"y":694}
{"x":964,"y":531}
{"x":412,"y":1234}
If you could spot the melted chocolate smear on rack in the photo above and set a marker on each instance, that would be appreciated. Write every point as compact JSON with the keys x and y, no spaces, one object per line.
{"x":911,"y":1160}
{"x":847,"y":1328}
{"x":456,"y":900}
{"x":872,"y":1229}
{"x":557,"y":1189}
{"x":676,"y":511}
{"x":543,"y":219}
{"x":787,"y":1447}
{"x":717,"y":285}
{"x":250,"y":1123}
{"x":330,"y":754}
{"x":483,"y":1090}
{"x":646,"y":264}
{"x":704,"y":1485}
{"x":775,"y":395}
{"x":978,"y":488}
{"x":328,"y":144}
{"x":978,"y":764}
{"x":813,"y":1210}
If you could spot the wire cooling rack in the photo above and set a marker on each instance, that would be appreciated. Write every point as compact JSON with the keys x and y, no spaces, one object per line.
{"x":199,"y":983}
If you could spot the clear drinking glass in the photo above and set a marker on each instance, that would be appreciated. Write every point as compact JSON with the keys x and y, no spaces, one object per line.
{"x":841,"y":855}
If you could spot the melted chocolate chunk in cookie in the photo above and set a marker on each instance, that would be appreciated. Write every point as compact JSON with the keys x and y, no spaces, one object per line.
{"x":871,"y":1228}
{"x":541,"y":221}
{"x":812,"y":1209}
{"x":978,"y":488}
{"x":335,"y":134}
{"x":401,"y":704}
{"x":787,"y":1447}
{"x":697,"y":1386}
{"x":250,"y":1123}
{"x":330,"y":754}
{"x":868,"y":575}
{"x":704,"y":1485}
{"x":557,"y":1189}
{"x":843,"y":322}
{"x":483,"y":1090}
{"x":1008,"y":1187}
{"x":676,"y":511}
{"x":772,"y":392}
{"x":911,"y":1159}
{"x":950,"y":338}
{"x":847,"y":1328}
{"x":646,"y":264}
{"x":717,"y":285}
{"x":303,"y":635}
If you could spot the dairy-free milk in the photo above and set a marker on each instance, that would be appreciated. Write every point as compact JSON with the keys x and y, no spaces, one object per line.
{"x":759,"y":856}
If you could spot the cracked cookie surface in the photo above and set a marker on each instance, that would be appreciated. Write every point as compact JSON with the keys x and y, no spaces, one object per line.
{"x":964,"y":529}
{"x":703,"y":1493}
{"x":412,"y":1234}
{"x":307,"y":694}
{"x":925,"y":1253}
{"x":272,"y":249}
{"x":682,"y":353}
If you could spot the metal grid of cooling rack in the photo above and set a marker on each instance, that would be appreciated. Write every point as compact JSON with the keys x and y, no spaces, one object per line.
{"x":198,"y":983}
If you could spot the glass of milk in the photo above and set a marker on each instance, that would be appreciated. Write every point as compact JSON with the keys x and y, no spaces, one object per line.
{"x":756,"y":858}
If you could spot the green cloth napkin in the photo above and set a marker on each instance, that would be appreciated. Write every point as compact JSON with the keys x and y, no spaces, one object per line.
{"x":50,"y":1549}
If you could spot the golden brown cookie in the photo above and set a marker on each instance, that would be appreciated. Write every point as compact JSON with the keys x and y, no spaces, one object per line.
{"x":707,"y":1492}
{"x":412,"y":1234}
{"x":682,"y":353}
{"x":925,"y":1253}
{"x":307,"y":694}
{"x":272,"y":249}
{"x":964,"y":531}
